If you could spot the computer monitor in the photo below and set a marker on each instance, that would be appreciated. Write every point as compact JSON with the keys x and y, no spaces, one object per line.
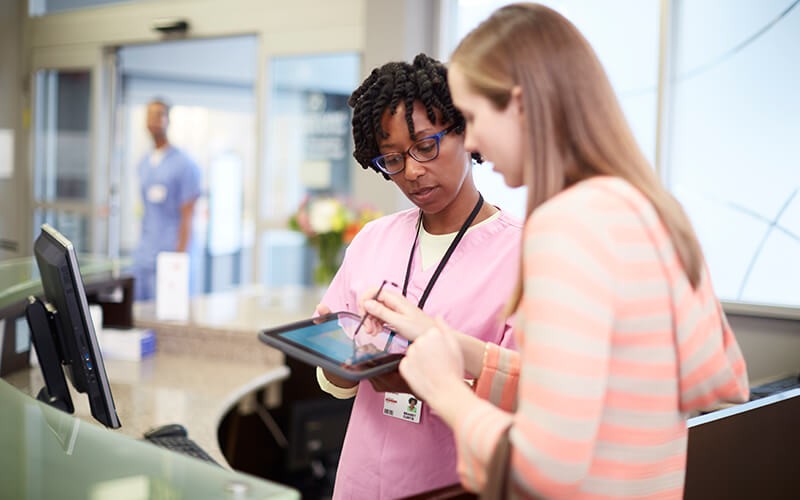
{"x":63,"y":333}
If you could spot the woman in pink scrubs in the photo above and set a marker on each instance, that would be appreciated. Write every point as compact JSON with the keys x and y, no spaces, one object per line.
{"x":454,"y":254}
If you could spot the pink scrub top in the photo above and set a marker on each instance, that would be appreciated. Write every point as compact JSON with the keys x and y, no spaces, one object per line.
{"x":384,"y":457}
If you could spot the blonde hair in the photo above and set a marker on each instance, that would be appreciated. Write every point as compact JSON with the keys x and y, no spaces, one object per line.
{"x":576,"y":128}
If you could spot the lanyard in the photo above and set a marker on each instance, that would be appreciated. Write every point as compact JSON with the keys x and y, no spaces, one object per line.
{"x":447,"y":254}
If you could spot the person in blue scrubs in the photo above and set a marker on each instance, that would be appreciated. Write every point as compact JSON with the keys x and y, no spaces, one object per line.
{"x":170,"y":186}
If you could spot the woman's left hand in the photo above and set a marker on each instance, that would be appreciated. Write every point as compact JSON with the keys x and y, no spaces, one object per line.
{"x":434,"y":366}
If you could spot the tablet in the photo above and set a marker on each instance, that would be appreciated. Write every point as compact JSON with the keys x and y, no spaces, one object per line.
{"x":327,"y":341}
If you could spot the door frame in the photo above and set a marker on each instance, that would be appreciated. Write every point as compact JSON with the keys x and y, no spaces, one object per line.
{"x":91,"y":58}
{"x":85,"y":38}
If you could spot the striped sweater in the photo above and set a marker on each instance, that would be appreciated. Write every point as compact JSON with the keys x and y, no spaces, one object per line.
{"x":616,"y":349}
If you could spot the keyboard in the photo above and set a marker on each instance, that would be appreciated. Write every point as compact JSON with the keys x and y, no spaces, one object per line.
{"x":183,"y":445}
{"x":774,"y":387}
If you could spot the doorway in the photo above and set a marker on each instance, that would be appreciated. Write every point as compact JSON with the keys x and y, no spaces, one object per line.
{"x":210,"y":84}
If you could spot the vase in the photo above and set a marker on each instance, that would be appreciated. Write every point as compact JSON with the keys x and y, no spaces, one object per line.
{"x":329,"y":246}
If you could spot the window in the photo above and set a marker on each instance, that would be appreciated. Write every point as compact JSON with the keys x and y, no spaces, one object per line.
{"x":731,"y":127}
{"x":625,"y":35}
{"x":62,"y":154}
{"x":733,"y":146}
{"x":309,"y":151}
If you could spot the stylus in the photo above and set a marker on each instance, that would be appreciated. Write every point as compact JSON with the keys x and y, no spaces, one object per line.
{"x":389,"y":340}
{"x":364,"y":318}
{"x":391,"y":333}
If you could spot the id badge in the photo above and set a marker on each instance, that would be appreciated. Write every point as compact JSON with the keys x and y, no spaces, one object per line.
{"x":403,"y":406}
{"x":157,"y":193}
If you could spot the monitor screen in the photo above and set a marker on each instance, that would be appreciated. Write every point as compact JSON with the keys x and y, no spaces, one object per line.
{"x":74,"y":331}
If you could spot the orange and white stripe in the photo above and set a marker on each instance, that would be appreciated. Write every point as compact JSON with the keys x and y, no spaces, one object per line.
{"x":616,"y":349}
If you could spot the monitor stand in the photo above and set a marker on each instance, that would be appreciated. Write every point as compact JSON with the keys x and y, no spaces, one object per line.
{"x":44,"y":333}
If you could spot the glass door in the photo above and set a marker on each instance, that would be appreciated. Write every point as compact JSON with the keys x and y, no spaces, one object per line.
{"x":69,"y":137}
{"x":210,"y":86}
{"x":309,"y":153}
{"x":230,"y":104}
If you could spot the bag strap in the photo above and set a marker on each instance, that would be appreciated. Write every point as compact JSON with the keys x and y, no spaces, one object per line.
{"x":498,"y":470}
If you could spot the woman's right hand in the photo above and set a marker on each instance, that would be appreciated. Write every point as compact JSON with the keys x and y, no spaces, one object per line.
{"x":404,"y":317}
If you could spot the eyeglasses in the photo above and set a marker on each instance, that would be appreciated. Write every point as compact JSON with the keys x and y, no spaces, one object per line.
{"x":423,"y":150}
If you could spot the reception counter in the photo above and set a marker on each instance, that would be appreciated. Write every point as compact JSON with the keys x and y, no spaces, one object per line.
{"x":47,"y":453}
{"x":167,"y":388}
{"x":289,"y":433}
{"x":204,"y":368}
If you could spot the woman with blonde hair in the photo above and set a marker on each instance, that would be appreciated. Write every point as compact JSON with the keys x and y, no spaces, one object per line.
{"x":621,"y":335}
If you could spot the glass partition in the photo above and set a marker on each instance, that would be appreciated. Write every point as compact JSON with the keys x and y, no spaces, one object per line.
{"x":309,"y":152}
{"x":48,"y":453}
{"x":626,"y":43}
{"x":62,"y":154}
{"x":733,"y":144}
{"x":73,"y":225}
{"x":19,"y":277}
{"x":730,"y":122}
{"x":61,"y":140}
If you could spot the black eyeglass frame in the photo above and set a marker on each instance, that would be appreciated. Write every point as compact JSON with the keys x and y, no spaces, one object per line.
{"x":409,"y":152}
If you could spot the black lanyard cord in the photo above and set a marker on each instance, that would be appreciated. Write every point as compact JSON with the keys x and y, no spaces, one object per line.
{"x":447,"y":254}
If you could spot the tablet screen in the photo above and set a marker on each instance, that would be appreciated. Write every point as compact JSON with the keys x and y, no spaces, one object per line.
{"x":334,"y":339}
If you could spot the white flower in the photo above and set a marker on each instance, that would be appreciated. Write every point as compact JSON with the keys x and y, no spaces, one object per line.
{"x":322,"y":215}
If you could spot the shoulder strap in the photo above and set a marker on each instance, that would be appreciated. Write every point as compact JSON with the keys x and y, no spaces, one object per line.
{"x":497,"y":472}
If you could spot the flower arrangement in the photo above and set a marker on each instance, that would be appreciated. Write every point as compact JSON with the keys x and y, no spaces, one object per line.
{"x":329,"y":224}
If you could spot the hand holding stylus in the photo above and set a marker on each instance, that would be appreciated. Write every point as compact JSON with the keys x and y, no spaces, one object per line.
{"x":393,"y":309}
{"x":372,"y":325}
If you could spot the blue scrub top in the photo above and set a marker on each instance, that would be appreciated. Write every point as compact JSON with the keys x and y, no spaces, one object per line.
{"x":164,"y":189}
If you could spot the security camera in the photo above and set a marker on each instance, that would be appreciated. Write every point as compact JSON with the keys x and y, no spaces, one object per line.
{"x":171,"y":25}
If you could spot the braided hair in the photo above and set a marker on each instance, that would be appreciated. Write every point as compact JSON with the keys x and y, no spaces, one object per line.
{"x":424,"y":80}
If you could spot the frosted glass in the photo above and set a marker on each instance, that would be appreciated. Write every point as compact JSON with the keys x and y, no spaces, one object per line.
{"x":734,"y":143}
{"x":625,"y":35}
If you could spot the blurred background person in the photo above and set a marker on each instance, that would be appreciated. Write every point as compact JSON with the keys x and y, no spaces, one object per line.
{"x":170,"y":185}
